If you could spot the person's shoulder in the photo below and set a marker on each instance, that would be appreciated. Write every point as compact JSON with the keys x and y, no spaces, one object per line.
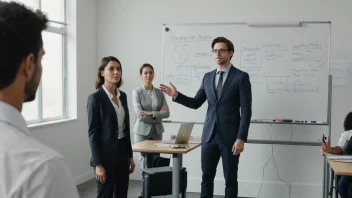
{"x":25,"y":151}
{"x":44,"y":152}
{"x":348,"y":133}
{"x":123,"y":94}
{"x":36,"y":166}
{"x":157,"y":90}
{"x":210,"y":72}
{"x":239,"y":71}
{"x":95,"y":93}
{"x":137,"y":89}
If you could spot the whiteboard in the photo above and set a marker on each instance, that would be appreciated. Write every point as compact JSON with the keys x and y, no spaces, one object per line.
{"x":288,"y":67}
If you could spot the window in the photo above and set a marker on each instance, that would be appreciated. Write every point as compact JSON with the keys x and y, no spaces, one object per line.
{"x":50,"y":102}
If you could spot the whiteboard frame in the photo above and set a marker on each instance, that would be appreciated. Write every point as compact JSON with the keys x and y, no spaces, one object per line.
{"x":326,"y":175}
{"x":269,"y":24}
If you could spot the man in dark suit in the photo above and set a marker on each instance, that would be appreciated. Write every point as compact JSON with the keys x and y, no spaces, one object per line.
{"x":228,"y":91}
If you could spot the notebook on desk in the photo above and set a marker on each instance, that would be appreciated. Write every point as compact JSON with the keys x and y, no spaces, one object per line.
{"x":183,"y":135}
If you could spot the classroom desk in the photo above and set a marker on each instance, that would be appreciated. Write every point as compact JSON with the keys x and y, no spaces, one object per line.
{"x":339,"y":169}
{"x":148,"y":146}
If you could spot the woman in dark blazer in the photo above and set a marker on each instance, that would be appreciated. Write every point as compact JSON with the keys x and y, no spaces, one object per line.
{"x":109,"y":131}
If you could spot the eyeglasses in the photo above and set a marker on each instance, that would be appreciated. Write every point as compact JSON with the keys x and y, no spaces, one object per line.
{"x":216,"y":51}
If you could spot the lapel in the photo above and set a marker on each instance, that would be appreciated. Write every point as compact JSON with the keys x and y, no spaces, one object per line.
{"x":124,"y":103}
{"x":212,"y":85}
{"x":107,"y":101}
{"x":159,"y":98}
{"x":229,"y":78}
{"x":146,"y":105}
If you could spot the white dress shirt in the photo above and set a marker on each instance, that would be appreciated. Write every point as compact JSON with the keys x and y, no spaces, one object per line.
{"x":28,"y":168}
{"x":217,"y":76}
{"x":153,"y":99}
{"x":343,"y":140}
{"x":120,"y":112}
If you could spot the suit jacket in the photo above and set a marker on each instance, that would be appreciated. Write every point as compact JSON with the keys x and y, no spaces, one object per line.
{"x":141,"y":101}
{"x":236,"y":95}
{"x":103,"y":127}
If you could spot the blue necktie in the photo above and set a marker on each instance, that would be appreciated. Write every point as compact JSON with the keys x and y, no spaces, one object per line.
{"x":219,"y":86}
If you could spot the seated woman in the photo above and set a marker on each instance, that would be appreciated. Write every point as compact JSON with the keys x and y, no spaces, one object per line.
{"x":150,"y":107}
{"x":344,"y":146}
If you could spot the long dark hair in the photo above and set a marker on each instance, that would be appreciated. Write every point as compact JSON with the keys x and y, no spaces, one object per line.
{"x":103,"y":63}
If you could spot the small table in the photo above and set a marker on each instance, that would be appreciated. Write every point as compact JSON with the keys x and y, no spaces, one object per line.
{"x":148,"y":146}
{"x":340,"y":168}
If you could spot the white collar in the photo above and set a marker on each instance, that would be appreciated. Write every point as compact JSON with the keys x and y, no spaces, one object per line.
{"x":226,"y":70}
{"x":146,"y":89}
{"x":109,"y":94}
{"x":12,"y":116}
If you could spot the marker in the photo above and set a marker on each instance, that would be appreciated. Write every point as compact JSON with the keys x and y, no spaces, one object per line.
{"x":316,"y":122}
{"x":286,"y":120}
{"x":324,"y":138}
{"x":166,"y":120}
{"x":299,"y":121}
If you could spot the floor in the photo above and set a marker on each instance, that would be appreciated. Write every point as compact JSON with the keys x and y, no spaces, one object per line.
{"x":88,"y":190}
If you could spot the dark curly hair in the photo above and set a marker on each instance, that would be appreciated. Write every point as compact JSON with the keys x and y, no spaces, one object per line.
{"x":347,"y":124}
{"x":229,"y":44}
{"x":20,"y":35}
{"x":103,"y":63}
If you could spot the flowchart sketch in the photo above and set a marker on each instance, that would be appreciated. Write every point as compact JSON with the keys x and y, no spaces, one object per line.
{"x":276,"y":83}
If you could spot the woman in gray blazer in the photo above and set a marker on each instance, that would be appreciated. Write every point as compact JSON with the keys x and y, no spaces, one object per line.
{"x":150,"y":107}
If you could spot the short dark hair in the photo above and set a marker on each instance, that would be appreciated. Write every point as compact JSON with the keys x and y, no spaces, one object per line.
{"x":103,"y":63}
{"x":347,"y":124}
{"x":229,"y":44}
{"x":144,"y":66}
{"x":20,"y":35}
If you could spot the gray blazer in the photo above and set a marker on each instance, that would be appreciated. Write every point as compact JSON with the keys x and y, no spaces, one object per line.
{"x":141,"y":101}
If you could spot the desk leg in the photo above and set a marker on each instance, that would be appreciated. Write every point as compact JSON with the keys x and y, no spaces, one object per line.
{"x":325,"y":179}
{"x":331,"y":184}
{"x":177,"y":165}
{"x":336,"y":192}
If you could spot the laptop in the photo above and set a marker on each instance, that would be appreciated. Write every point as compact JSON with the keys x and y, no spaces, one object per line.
{"x":183,"y":135}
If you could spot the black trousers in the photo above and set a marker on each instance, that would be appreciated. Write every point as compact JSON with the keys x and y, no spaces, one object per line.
{"x":210,"y":155}
{"x":117,"y":177}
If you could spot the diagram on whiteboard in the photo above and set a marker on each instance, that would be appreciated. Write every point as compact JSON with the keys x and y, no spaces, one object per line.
{"x":179,"y":55}
{"x":277,"y":83}
{"x":287,"y":67}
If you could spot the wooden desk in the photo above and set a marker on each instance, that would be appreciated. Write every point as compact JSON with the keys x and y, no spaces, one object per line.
{"x":340,"y":168}
{"x":149,"y":147}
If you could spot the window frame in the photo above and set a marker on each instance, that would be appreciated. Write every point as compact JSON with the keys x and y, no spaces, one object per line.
{"x":63,"y":32}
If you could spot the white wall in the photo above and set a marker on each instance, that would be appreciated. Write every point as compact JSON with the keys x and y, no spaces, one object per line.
{"x":71,"y":138}
{"x":131,"y":30}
